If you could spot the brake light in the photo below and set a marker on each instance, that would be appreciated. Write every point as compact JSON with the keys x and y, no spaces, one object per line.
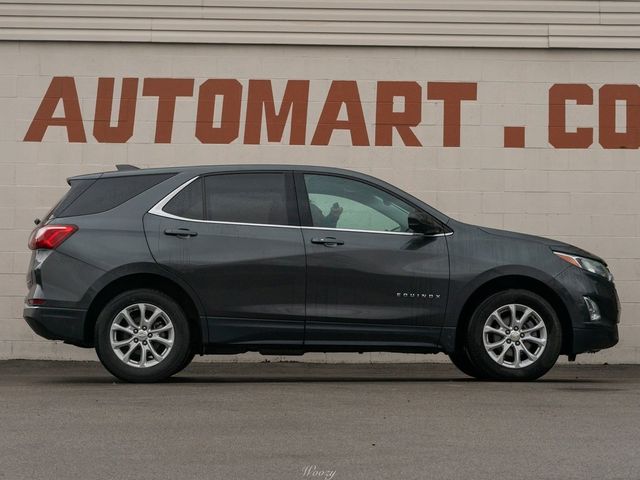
{"x":50,"y":237}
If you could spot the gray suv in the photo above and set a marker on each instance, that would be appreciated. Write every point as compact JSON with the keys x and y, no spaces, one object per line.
{"x":151,"y":267}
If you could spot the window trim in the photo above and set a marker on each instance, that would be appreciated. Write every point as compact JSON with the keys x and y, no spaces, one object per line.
{"x":157,"y":209}
{"x":291,"y":207}
{"x":175,"y":193}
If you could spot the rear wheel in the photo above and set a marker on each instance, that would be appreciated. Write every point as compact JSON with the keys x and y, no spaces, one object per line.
{"x":514,"y":335}
{"x":143,"y":336}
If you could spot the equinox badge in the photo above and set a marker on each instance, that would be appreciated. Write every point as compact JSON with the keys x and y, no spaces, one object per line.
{"x":417,"y":295}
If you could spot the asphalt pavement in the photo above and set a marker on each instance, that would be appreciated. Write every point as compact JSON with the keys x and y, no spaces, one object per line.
{"x":296,"y":421}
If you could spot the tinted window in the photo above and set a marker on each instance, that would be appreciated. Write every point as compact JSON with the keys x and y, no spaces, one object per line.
{"x":189,"y":202}
{"x":77,"y":188}
{"x":338,"y":202}
{"x":107,"y":193}
{"x":248,"y":198}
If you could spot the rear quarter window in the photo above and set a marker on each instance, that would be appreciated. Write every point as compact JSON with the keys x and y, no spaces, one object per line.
{"x":189,"y":202}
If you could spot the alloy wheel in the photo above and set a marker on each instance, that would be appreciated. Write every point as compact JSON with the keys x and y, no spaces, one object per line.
{"x":514,"y":336}
{"x":141,"y":335}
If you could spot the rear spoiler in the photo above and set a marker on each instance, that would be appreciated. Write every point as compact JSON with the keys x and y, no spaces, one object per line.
{"x":121,"y":167}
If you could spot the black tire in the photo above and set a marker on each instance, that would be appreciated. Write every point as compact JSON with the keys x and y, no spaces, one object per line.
{"x":176,"y":358}
{"x":187,"y":361}
{"x":460,"y":358}
{"x":547,"y":357}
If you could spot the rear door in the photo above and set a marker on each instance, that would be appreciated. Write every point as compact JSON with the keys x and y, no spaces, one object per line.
{"x":235,"y":238}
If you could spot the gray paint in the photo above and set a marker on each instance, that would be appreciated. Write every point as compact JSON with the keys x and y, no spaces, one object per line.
{"x":269,"y":288}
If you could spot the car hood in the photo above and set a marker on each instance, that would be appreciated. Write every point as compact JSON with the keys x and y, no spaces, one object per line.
{"x":555,"y":245}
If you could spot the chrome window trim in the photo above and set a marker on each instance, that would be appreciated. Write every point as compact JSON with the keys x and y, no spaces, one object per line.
{"x":218,"y":222}
{"x":157,"y":210}
{"x":410,"y":234}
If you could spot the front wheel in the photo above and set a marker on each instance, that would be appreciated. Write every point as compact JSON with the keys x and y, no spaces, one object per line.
{"x":460,"y":358}
{"x":143,"y":336}
{"x":514,"y":335}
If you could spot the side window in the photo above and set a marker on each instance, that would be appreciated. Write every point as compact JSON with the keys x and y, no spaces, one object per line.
{"x":263,"y":198}
{"x":189,"y":202}
{"x":78,"y":187}
{"x":106,"y":193}
{"x":338,"y":202}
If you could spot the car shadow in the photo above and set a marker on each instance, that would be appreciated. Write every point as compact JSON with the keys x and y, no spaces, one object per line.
{"x":285,"y":379}
{"x":570,"y":377}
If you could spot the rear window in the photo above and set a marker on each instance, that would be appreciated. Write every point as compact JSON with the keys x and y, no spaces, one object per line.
{"x":87,"y":197}
{"x":77,"y":188}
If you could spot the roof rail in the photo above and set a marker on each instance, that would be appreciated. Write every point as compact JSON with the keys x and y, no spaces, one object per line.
{"x":121,"y":167}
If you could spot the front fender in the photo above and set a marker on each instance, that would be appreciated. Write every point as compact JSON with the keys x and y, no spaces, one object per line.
{"x":502,"y":277}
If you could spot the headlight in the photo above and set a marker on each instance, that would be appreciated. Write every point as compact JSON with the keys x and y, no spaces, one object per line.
{"x":588,"y":264}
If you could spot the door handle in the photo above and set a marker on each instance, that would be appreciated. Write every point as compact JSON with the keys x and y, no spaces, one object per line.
{"x":180,"y":232}
{"x":327,"y":241}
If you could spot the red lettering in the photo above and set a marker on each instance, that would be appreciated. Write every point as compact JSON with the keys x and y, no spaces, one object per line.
{"x":167,"y":90}
{"x":60,"y":88}
{"x":558,"y":96}
{"x":102,"y":129}
{"x":608,"y":136}
{"x":513,"y":137}
{"x":452,"y":93}
{"x":387,"y":119}
{"x":295,"y":103}
{"x":231,"y":92}
{"x":342,"y":92}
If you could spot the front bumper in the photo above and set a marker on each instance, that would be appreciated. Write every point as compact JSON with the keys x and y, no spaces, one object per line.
{"x":587,"y":335}
{"x":594,"y":338}
{"x":55,"y":323}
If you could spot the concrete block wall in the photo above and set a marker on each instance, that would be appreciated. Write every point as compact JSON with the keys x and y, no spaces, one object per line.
{"x":586,"y":196}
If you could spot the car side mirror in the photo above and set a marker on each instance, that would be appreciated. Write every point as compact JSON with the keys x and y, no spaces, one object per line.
{"x":420,"y":222}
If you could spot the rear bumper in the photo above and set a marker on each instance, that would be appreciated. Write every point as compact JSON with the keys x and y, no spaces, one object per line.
{"x":54,"y":323}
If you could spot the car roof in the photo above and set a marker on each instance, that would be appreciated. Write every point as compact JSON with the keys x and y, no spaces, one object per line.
{"x":203,"y":169}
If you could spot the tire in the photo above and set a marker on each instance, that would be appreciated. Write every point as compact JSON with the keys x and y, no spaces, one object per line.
{"x":514,"y":335}
{"x":460,"y":358}
{"x":121,"y":337}
{"x":187,"y":361}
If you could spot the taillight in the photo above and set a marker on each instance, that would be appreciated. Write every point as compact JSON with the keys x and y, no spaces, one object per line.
{"x":50,"y":237}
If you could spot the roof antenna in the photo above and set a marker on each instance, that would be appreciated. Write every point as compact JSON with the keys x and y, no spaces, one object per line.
{"x":121,"y":167}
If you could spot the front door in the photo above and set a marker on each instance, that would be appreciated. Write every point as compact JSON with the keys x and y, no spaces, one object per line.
{"x":370,"y":280}
{"x":235,"y":238}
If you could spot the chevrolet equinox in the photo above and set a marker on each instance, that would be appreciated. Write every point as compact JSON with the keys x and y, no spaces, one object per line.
{"x":151,"y":267}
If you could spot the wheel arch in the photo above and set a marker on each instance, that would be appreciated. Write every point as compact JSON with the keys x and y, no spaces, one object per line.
{"x":511,"y":282}
{"x":156,"y":280}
